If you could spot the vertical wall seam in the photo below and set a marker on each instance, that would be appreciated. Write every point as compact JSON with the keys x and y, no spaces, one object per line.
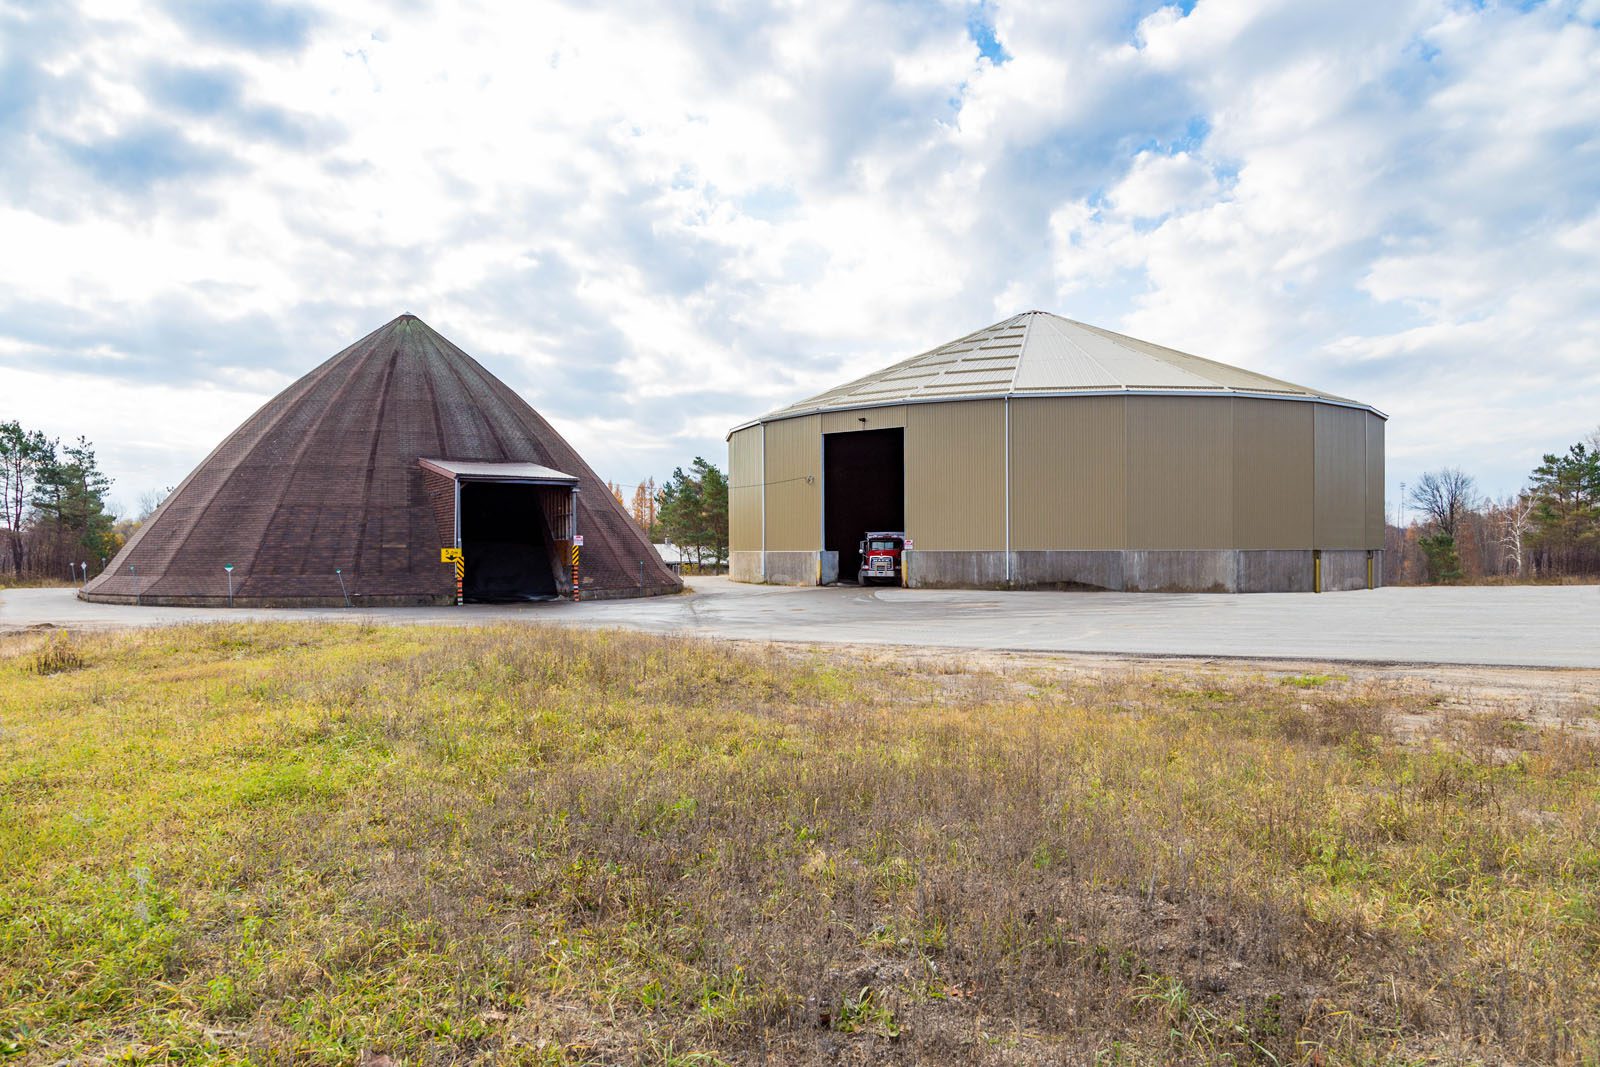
{"x":763,"y":502}
{"x":1008,"y":491}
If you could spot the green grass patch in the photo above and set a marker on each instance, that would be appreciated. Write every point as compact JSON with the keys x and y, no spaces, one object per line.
{"x":323,"y":843}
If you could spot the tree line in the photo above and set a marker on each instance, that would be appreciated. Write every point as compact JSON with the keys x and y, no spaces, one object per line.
{"x":53,"y":511}
{"x":690,"y":512}
{"x":1549,"y":530}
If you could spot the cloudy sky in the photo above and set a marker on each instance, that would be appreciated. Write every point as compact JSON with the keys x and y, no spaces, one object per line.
{"x":659,"y":220}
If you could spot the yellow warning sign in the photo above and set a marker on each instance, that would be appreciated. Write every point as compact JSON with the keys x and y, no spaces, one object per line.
{"x":449,"y":555}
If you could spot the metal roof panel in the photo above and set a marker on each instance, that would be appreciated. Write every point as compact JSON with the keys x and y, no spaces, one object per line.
{"x":1038,"y":352}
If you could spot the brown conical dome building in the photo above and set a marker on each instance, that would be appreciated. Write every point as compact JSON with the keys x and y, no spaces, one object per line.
{"x":345,"y":487}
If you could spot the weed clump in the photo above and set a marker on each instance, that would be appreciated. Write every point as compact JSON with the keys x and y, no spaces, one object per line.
{"x":59,"y":654}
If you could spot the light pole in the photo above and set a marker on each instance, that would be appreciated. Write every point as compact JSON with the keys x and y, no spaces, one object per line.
{"x":339,"y":572}
{"x":136,"y":593}
{"x":229,"y":568}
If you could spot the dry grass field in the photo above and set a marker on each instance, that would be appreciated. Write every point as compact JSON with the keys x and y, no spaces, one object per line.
{"x":335,"y":843}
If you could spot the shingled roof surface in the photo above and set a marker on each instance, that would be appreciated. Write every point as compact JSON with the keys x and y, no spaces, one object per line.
{"x":326,"y":477}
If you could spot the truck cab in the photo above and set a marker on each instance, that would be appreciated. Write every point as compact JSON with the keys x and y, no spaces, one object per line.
{"x":882,"y":553}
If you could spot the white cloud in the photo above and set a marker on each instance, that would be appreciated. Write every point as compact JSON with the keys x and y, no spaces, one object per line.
{"x":657,"y":222}
{"x":1410,"y":221}
{"x":1158,"y":184}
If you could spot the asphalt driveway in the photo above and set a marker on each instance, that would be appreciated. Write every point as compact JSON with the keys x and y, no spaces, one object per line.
{"x":1541,"y":626}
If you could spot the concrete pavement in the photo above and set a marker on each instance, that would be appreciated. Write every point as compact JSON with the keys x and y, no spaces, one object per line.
{"x":1540,"y":626}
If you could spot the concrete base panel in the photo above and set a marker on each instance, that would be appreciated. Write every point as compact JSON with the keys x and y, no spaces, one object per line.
{"x":956,"y":570}
{"x":1275,"y":571}
{"x":1347,"y":569}
{"x":1134,"y":570}
{"x":1067,"y":570}
{"x":357,"y":601}
{"x":158,"y":601}
{"x":793,"y":568}
{"x":744,"y":566}
{"x":782,"y":568}
{"x":1181,"y":571}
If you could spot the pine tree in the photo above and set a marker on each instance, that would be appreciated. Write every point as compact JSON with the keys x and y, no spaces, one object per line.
{"x":1566,"y":515}
{"x":69,"y":505}
{"x":22,"y":454}
{"x":693,"y":511}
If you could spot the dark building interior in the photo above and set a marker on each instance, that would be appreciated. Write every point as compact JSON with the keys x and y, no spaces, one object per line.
{"x":505,"y":542}
{"x":863,"y":488}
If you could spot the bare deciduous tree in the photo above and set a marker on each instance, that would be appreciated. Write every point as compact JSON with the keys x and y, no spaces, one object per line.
{"x":1513,"y":519}
{"x":149,"y":500}
{"x":1444,"y":497}
{"x":644,"y":506}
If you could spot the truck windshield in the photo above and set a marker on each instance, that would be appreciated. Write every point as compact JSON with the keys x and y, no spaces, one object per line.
{"x":888,"y":546}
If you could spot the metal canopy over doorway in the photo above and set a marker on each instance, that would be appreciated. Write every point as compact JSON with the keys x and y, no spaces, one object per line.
{"x":514,"y":524}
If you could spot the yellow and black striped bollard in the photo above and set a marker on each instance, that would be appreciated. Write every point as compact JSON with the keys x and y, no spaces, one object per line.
{"x":453,"y":555}
{"x":577,"y":590}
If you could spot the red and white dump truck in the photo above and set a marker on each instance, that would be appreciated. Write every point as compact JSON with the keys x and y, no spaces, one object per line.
{"x":882,"y":555}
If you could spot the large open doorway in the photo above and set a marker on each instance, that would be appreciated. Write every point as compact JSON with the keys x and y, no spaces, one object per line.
{"x":863,"y":488}
{"x":506,"y":543}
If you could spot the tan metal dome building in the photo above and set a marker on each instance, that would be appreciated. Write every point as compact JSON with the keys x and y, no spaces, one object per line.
{"x":1045,"y":453}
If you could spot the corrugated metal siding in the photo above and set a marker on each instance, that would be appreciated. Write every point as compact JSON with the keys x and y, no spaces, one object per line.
{"x":1341,"y":490}
{"x":1068,"y":473}
{"x":1180,"y":473}
{"x":877,"y":419}
{"x":1375,"y":482}
{"x":1274,"y":476}
{"x":955,"y":475}
{"x":794,"y":485}
{"x":744,"y":490}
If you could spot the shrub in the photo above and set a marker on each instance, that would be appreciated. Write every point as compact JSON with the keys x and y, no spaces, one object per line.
{"x":57,"y":655}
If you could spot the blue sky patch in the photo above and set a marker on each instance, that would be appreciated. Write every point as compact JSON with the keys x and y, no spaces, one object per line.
{"x":980,"y":27}
{"x":132,"y":162}
{"x":256,"y":25}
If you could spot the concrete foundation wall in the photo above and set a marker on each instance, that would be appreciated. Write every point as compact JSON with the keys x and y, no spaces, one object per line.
{"x":744,"y":566}
{"x":1275,"y":571}
{"x":421,"y":600}
{"x":1181,"y":571}
{"x":1067,"y":570}
{"x":956,"y":570}
{"x":793,"y":568}
{"x":785,"y":568}
{"x":1134,"y":571}
{"x":1347,"y":569}
{"x":1147,"y":571}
